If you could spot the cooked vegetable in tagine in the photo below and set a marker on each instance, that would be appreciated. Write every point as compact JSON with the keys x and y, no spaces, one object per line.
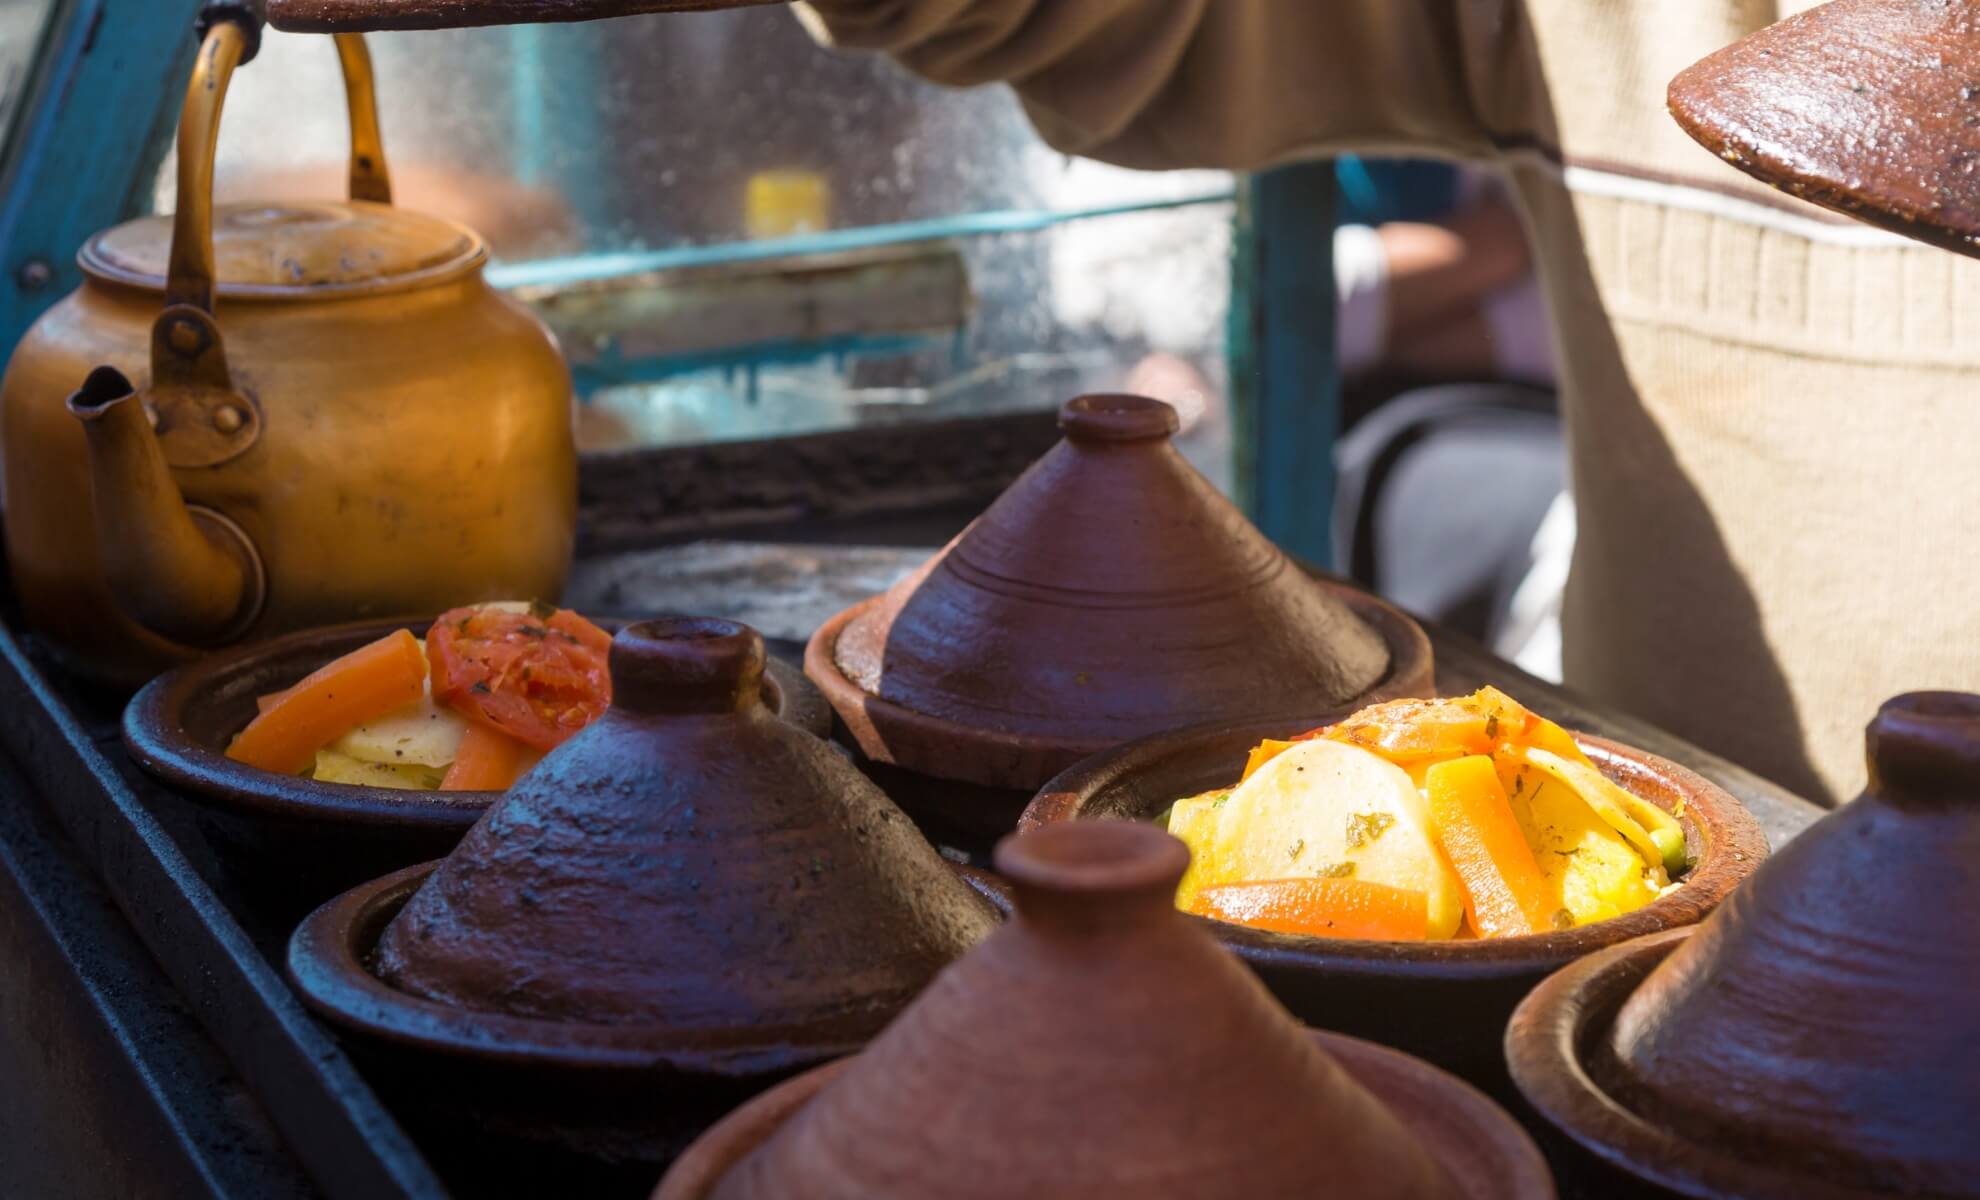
{"x":472,"y":707}
{"x":1416,"y":819}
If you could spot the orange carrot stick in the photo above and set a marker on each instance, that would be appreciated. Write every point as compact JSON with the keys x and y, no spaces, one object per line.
{"x":488,"y":761}
{"x":263,"y":703}
{"x":1320,"y":907}
{"x":369,"y":682}
{"x":1261,"y":754}
{"x":1505,"y":893}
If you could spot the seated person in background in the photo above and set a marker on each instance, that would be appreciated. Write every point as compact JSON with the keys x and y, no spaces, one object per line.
{"x":1453,"y":297}
{"x":1770,"y":412}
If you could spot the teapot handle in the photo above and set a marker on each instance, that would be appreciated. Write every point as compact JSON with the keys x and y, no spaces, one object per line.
{"x":370,"y":180}
{"x":188,"y":355}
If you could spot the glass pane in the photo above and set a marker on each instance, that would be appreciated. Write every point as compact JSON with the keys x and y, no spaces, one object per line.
{"x":658,"y":136}
{"x":646,"y":132}
{"x":21,"y":23}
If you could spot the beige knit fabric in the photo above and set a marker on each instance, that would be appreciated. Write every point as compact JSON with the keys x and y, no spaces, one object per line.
{"x":1774,"y":436}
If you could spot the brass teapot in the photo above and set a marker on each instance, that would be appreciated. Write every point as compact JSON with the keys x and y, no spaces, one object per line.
{"x":378,"y":432}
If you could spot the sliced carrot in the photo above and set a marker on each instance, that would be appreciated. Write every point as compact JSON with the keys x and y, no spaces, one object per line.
{"x":1261,"y":754}
{"x":263,"y":703}
{"x":367,"y":683}
{"x":1543,"y":734}
{"x":1320,"y":907}
{"x":488,"y":761}
{"x":1505,"y":893}
{"x":1405,"y":731}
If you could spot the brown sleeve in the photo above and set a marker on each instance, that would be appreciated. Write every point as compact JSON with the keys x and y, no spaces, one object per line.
{"x":1219,"y":83}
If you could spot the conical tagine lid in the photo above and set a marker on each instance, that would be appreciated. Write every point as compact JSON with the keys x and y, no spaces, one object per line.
{"x":1868,"y":107}
{"x":1828,"y":1014}
{"x":1111,"y":592}
{"x":1098,"y":1047}
{"x":689,"y":862}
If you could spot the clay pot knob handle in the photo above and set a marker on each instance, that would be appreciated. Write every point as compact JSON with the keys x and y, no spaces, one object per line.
{"x":686,"y":665}
{"x":1090,"y":420}
{"x":1924,"y":749}
{"x":1084,"y":877}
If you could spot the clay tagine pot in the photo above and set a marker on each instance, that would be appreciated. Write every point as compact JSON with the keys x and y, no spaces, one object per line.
{"x":296,"y":840}
{"x":1109,"y":593}
{"x":684,"y":902}
{"x":1818,"y":1038}
{"x":1099,"y":1046}
{"x":1447,"y":1001}
{"x":1867,"y":107}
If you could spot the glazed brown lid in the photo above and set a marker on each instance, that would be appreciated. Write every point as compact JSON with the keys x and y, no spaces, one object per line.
{"x":688,"y":861}
{"x":1868,"y":107}
{"x":301,"y":251}
{"x":351,"y":16}
{"x":1098,"y":1046}
{"x":1110,"y":592}
{"x":1826,"y":1016}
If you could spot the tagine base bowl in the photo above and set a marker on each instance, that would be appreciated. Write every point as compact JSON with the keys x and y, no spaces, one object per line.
{"x":1444,"y":1001}
{"x":609,"y":1094}
{"x":966,"y":787}
{"x":295,"y":840}
{"x":1556,"y":1048}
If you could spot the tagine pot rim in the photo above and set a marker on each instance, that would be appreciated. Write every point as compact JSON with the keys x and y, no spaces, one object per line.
{"x":1526,"y":1176}
{"x":1546,"y":1047}
{"x":328,"y":962}
{"x":157,"y":737}
{"x":901,"y":737}
{"x":1726,"y":838}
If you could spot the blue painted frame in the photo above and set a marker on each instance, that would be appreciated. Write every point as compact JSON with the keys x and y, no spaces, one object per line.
{"x":1285,"y":385}
{"x":93,"y":123}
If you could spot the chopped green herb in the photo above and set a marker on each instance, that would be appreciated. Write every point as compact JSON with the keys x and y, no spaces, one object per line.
{"x":1220,"y":801}
{"x":1563,"y":919}
{"x":1492,"y":727}
{"x":1363,"y":828}
{"x":535,"y":631}
{"x":1299,"y":844}
{"x":542,"y":611}
{"x":1339,"y":870}
{"x":480,"y":688}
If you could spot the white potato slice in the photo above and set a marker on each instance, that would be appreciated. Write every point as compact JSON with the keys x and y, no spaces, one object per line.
{"x":1194,"y":820}
{"x":1327,"y":808}
{"x":332,"y":767}
{"x":424,"y":734}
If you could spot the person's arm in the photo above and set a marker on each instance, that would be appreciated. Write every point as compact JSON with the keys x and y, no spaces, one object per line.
{"x":1221,"y":83}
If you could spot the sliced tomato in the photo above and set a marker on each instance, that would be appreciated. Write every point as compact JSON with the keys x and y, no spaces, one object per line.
{"x":538,"y":676}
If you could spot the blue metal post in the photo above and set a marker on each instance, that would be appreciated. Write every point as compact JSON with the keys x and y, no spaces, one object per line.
{"x":1285,"y":390}
{"x":92,"y":125}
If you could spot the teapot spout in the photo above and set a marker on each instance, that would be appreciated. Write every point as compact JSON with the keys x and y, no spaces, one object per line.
{"x":184,"y":572}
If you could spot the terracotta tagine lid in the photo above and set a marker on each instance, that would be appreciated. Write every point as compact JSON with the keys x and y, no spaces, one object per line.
{"x":1100,"y":1046}
{"x":1819,"y":1035}
{"x":1867,"y":107}
{"x":1110,"y":592}
{"x":688,"y":861}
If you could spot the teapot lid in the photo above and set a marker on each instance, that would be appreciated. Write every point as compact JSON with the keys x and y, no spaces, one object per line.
{"x":285,"y":251}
